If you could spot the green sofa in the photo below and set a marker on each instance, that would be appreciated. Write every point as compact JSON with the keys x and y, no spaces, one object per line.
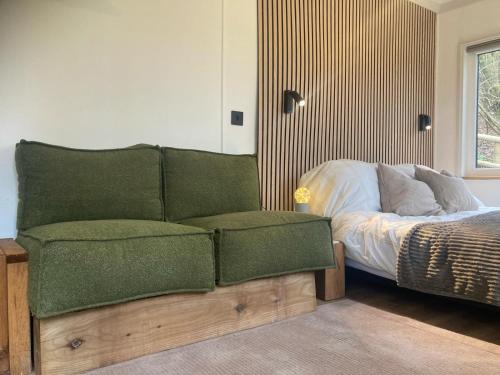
{"x":106,"y":226}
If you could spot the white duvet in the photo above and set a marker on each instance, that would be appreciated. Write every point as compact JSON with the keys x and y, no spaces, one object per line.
{"x":373,"y":239}
{"x":347,"y":191}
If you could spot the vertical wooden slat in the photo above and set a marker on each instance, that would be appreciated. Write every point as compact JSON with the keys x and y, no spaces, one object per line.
{"x":278,"y":172}
{"x":295,"y":82}
{"x":328,"y":96}
{"x":262,"y":100}
{"x":307,"y":125}
{"x":366,"y":69}
{"x":342,"y":51}
{"x":286,"y":83}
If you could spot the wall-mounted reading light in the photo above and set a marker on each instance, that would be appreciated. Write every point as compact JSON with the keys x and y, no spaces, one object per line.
{"x":424,"y":123}
{"x":292,"y":97}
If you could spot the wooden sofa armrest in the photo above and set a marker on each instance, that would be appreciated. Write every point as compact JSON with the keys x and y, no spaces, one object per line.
{"x":13,"y":252}
{"x":15,"y":338}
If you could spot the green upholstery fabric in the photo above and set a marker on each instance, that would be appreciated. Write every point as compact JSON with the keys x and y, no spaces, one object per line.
{"x":78,"y":265}
{"x":200,"y":183}
{"x":257,"y":244}
{"x":59,"y":184}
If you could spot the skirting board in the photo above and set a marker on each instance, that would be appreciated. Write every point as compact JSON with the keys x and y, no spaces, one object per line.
{"x":76,"y":342}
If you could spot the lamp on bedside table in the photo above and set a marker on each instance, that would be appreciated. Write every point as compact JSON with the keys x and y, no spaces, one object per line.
{"x":302,"y":196}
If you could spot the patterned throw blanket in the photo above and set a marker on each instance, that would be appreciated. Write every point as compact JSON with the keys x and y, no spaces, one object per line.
{"x":456,"y":259}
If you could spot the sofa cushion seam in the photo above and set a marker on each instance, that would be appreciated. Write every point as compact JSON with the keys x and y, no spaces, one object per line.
{"x":270,"y":226}
{"x":208,"y":232}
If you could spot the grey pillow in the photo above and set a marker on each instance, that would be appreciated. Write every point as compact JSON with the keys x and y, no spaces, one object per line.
{"x":408,"y":169}
{"x":405,"y":196}
{"x":450,"y":192}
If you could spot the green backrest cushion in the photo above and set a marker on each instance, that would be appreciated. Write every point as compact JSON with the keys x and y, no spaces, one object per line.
{"x":58,"y":184}
{"x":201,"y":183}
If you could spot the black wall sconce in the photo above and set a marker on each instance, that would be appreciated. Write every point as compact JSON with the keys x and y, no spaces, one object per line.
{"x":292,"y":97}
{"x":424,"y":123}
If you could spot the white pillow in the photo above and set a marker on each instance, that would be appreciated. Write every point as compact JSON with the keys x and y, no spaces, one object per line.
{"x":339,"y":186}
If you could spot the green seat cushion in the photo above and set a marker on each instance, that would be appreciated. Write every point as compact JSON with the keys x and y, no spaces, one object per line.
{"x":59,"y":184}
{"x":200,"y":183}
{"x":257,"y":244}
{"x":78,"y":265}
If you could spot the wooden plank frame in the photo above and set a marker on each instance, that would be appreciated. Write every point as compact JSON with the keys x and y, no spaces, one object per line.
{"x":76,"y":342}
{"x":15,"y":339}
{"x":330,"y":283}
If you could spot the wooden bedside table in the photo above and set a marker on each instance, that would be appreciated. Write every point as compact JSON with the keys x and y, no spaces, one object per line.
{"x":330,"y":283}
{"x":15,"y":338}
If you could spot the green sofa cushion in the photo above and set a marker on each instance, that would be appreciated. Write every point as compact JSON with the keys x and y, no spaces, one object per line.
{"x":200,"y":183}
{"x":84,"y":264}
{"x":257,"y":244}
{"x":59,"y":184}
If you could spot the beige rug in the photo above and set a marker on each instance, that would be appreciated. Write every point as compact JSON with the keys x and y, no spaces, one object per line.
{"x":344,"y":337}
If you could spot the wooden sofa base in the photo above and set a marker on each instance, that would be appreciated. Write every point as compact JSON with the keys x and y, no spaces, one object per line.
{"x":330,"y":283}
{"x":76,"y":342}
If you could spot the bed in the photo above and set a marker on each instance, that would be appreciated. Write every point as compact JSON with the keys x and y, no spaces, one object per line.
{"x":373,"y":239}
{"x":347,"y":191}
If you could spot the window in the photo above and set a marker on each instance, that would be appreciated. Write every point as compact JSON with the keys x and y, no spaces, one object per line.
{"x":481,"y":109}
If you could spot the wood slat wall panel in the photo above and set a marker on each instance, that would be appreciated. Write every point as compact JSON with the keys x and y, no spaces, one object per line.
{"x":366,"y":69}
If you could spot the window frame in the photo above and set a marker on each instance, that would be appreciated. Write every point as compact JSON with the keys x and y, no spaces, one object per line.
{"x":468,"y":116}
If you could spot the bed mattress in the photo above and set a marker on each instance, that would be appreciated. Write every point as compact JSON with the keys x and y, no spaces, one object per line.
{"x":373,"y":239}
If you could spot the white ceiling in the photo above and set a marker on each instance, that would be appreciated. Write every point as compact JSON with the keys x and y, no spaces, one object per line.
{"x":444,"y":5}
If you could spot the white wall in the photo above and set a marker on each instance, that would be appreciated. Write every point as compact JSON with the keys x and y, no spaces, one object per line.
{"x":109,"y":73}
{"x":240,"y":75}
{"x":468,"y":24}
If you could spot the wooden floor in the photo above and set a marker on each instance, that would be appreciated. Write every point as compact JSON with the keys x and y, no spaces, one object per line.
{"x":470,"y":319}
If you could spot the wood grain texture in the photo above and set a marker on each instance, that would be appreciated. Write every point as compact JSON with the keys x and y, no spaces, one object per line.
{"x":13,"y":252}
{"x":76,"y":342}
{"x":366,"y":70}
{"x":15,"y":333}
{"x":4,"y":323}
{"x":19,"y":319}
{"x":330,"y":283}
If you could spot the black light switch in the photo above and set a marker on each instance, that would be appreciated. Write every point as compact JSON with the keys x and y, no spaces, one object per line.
{"x":236,"y":118}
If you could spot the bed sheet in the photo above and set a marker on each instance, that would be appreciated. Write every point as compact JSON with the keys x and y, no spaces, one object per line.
{"x":373,"y":239}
